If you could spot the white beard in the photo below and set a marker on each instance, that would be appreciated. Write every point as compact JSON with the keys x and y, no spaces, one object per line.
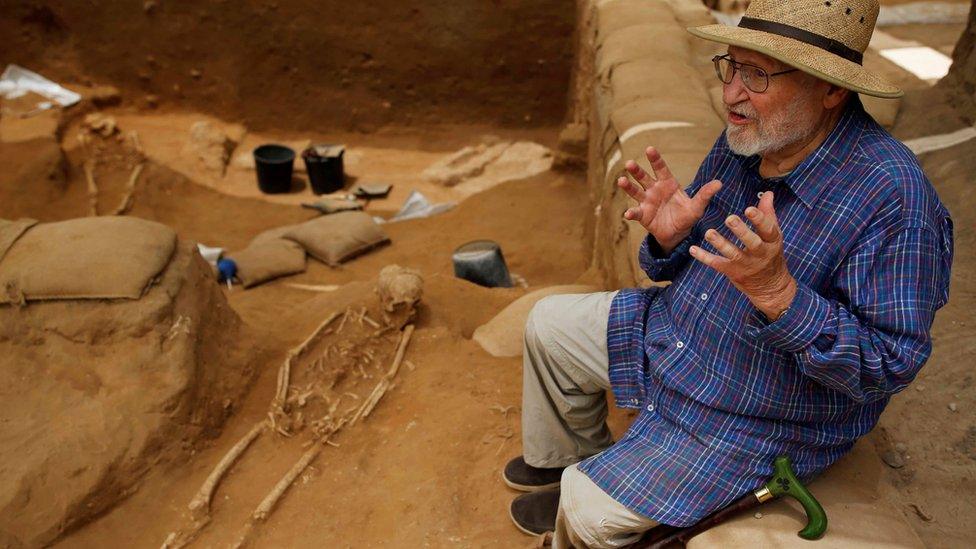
{"x":778,"y":131}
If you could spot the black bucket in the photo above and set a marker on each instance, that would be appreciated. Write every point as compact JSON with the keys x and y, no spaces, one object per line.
{"x":324,"y":166}
{"x":482,"y":262}
{"x":274,"y":164}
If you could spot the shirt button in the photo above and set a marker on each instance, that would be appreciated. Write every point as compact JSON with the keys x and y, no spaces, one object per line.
{"x":704,"y":297}
{"x":634,"y":401}
{"x":650,"y":407}
{"x":759,"y":194}
{"x":681,"y":344}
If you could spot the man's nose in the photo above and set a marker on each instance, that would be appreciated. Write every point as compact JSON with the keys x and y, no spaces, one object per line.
{"x":735,"y":91}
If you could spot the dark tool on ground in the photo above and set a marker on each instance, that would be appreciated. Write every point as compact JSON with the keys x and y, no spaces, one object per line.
{"x":783,"y":483}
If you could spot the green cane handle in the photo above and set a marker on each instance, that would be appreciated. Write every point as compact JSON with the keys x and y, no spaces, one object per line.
{"x":785,"y":483}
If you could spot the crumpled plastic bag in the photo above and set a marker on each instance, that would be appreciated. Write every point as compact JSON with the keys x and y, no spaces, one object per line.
{"x":17,"y":81}
{"x":416,"y":206}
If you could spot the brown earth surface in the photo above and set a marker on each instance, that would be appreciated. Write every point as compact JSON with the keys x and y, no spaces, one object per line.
{"x":423,"y":470}
{"x":412,"y":469}
{"x":310,"y":64}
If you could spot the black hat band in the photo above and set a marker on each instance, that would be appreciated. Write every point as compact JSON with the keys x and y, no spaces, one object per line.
{"x":807,"y":37}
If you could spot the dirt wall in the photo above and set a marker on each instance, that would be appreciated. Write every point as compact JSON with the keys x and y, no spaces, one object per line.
{"x":960,"y":83}
{"x":310,"y":64}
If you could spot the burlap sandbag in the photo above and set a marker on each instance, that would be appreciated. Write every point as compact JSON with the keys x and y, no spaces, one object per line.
{"x":619,"y":14}
{"x":87,"y":258}
{"x":335,"y":238}
{"x":691,"y":13}
{"x":272,"y":234}
{"x":268,"y":259}
{"x":858,"y":518}
{"x":655,"y":79}
{"x":689,"y":126}
{"x":503,"y":335}
{"x":10,"y":231}
{"x":640,"y":41}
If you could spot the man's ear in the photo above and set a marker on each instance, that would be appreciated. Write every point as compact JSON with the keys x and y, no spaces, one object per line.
{"x":835,"y":96}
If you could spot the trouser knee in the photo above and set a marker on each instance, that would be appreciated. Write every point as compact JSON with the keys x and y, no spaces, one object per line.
{"x":537,"y":325}
{"x":591,"y":518}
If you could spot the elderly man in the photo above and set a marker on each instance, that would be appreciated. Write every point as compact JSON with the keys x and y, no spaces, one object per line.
{"x":807,"y":261}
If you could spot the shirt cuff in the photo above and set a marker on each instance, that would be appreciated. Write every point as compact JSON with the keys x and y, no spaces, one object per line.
{"x":658,"y":266}
{"x":798,"y":327}
{"x":656,"y":252}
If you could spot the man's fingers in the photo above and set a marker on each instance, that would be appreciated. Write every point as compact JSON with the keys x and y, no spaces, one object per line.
{"x":660,"y":167}
{"x":705,"y":194}
{"x":631,"y":188}
{"x":766,"y":202}
{"x":726,"y":248}
{"x":632,"y":214}
{"x":639,"y":174}
{"x":763,"y":218}
{"x":745,"y":235}
{"x":718,"y":263}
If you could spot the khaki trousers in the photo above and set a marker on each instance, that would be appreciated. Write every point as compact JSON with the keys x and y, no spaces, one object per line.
{"x":564,"y":412}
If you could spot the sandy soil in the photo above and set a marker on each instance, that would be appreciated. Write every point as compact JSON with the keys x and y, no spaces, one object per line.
{"x":424,"y":469}
{"x":386,"y":471}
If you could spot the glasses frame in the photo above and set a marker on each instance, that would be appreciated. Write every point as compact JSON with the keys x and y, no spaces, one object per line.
{"x":736,"y":66}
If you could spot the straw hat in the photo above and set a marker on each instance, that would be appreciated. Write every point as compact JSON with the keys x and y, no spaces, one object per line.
{"x":825,"y":38}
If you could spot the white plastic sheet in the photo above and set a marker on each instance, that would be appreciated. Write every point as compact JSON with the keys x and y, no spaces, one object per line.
{"x":17,"y":81}
{"x":417,"y":206}
{"x":210,"y":254}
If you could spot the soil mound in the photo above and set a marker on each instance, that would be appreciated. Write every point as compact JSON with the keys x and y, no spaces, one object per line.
{"x":95,"y":392}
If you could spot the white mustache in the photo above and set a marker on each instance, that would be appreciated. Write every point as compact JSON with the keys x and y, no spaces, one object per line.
{"x":743,"y":110}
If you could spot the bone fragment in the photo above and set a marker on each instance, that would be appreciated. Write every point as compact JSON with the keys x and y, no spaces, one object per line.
{"x":343,"y":322}
{"x":401,"y":350}
{"x":170,"y":541}
{"x":136,"y":144}
{"x":200,"y":504}
{"x":179,"y":538}
{"x":130,"y":188}
{"x":370,"y":321}
{"x":267,"y":505}
{"x":384,"y":384}
{"x":89,"y":168}
{"x":313,"y":287}
{"x":284,"y":372}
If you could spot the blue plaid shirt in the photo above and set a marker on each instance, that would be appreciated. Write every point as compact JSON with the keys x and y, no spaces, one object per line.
{"x":721,"y":390}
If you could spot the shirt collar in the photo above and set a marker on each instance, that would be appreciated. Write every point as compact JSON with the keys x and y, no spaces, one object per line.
{"x":815,"y":173}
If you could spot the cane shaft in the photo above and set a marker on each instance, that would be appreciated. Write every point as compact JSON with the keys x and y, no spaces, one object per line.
{"x":678,"y":537}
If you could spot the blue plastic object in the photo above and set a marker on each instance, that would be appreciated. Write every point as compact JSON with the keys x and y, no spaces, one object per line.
{"x":226,"y":270}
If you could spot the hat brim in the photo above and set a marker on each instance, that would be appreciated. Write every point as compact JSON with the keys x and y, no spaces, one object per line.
{"x":809,"y":59}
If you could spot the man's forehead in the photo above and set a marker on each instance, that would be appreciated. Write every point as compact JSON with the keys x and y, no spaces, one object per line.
{"x":754,"y":57}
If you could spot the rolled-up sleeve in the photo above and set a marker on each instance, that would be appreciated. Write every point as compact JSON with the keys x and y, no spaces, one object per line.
{"x":873,"y":343}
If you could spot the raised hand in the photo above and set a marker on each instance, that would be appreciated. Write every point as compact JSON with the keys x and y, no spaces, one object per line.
{"x":758,"y":268}
{"x":663,"y":207}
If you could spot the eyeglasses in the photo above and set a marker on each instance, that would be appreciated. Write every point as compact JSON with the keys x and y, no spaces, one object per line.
{"x":753,"y":77}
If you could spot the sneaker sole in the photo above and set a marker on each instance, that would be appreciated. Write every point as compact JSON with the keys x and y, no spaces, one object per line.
{"x":527,"y":487}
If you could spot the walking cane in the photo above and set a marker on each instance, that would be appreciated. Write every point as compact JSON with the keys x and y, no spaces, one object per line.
{"x":783,"y":483}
